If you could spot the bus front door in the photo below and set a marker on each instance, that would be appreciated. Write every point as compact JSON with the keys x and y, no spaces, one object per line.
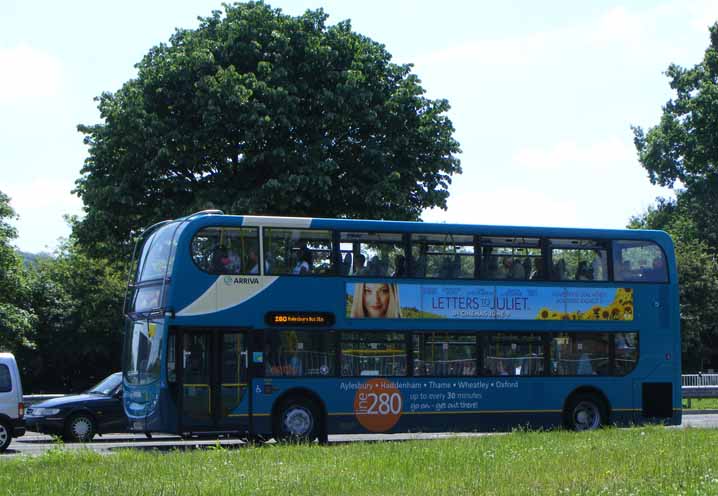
{"x":214,"y":380}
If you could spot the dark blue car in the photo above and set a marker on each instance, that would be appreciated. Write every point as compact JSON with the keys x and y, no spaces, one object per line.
{"x":79,"y":417}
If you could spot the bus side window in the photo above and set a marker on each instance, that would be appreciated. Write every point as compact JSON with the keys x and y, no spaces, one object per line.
{"x":639,"y":261}
{"x":578,"y":260}
{"x":374,"y":254}
{"x":443,"y":256}
{"x":219,"y":250}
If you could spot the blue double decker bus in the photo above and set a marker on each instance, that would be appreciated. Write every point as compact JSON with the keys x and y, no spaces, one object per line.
{"x":299,"y":328}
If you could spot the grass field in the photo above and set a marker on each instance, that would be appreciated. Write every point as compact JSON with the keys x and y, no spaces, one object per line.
{"x":639,"y":461}
{"x":702,"y":404}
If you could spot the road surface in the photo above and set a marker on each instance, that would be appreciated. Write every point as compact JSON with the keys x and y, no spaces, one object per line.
{"x":33,"y":443}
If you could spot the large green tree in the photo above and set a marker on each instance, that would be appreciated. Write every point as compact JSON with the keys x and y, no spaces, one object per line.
{"x":682,"y":149}
{"x":78,"y":335}
{"x":259,"y":112}
{"x":681,"y":152}
{"x":697,"y":275}
{"x":17,"y":319}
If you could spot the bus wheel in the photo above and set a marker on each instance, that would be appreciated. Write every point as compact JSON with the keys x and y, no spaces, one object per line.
{"x":585,"y":412}
{"x":297,"y":419}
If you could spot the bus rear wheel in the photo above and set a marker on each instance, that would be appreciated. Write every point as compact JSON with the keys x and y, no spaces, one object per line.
{"x":585,"y":412}
{"x":297,"y":419}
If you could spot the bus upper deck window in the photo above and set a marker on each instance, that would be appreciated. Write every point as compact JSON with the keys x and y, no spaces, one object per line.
{"x":224,"y":250}
{"x":578,"y":260}
{"x":641,"y":261}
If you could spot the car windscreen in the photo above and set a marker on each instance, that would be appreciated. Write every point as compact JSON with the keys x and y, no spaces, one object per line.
{"x":108,"y":385}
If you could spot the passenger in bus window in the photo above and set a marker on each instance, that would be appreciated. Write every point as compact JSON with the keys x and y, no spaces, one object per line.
{"x":254,"y":262}
{"x":359,"y":269}
{"x":513,"y":270}
{"x":584,"y":365}
{"x":304,"y":264}
{"x":598,"y":266}
{"x":583,"y":272}
{"x":657,"y":272}
{"x":346,"y":265}
{"x":220,"y":260}
{"x":233,"y":263}
{"x":537,"y":271}
{"x":379,"y":300}
{"x":400,"y":266}
{"x":624,"y":271}
{"x":490,"y":268}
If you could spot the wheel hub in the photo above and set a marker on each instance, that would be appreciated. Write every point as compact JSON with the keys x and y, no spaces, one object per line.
{"x":586,"y":416}
{"x":298,"y":421}
{"x":81,"y":428}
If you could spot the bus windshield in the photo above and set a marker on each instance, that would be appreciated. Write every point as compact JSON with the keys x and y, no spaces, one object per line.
{"x":142,"y":352}
{"x":158,"y":253}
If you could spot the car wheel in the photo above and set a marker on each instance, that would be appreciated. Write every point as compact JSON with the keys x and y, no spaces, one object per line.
{"x":5,"y":436}
{"x":585,"y":412}
{"x":80,"y":427}
{"x":297,"y":419}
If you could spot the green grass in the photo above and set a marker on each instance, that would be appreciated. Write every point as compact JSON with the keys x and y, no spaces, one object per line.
{"x":702,"y":404}
{"x":639,"y":461}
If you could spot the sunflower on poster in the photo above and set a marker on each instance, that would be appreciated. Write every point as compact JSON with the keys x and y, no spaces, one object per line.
{"x":621,"y":308}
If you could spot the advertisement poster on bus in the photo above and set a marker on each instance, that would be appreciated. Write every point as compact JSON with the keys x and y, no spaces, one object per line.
{"x":486,"y":302}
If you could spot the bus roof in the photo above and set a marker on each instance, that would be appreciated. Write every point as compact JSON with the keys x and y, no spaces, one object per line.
{"x":215,"y":218}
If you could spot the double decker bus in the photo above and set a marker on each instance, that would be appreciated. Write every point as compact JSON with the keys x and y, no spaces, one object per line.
{"x":301,"y":327}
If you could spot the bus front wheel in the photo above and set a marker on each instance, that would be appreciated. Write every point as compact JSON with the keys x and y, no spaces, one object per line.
{"x":297,"y":419}
{"x":585,"y":412}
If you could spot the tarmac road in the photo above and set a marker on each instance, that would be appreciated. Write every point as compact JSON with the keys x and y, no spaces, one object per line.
{"x":33,"y":443}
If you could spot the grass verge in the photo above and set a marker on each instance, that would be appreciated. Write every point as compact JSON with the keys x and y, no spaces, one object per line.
{"x":702,"y":404}
{"x":648,"y":460}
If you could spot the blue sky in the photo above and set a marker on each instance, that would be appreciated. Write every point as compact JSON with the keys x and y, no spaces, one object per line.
{"x":543,"y":95}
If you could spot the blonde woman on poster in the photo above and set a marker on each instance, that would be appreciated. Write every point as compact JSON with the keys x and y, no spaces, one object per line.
{"x":376,"y":300}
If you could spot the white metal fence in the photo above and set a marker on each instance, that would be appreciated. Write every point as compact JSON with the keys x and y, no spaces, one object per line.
{"x":698,"y":380}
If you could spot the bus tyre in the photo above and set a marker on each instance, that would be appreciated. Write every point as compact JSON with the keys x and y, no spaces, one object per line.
{"x":5,"y":435}
{"x":80,"y":428}
{"x":585,"y":412}
{"x":297,"y":419}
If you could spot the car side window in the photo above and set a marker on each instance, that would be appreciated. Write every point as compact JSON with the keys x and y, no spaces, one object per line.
{"x":5,"y":379}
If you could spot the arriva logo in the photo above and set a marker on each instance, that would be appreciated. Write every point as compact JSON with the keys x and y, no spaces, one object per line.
{"x":238,"y":280}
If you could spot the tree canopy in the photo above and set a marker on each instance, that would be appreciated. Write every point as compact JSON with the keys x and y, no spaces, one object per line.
{"x":682,"y":149}
{"x":697,"y":275}
{"x":681,"y":152}
{"x":16,"y":316}
{"x":78,"y":332}
{"x":258,"y":112}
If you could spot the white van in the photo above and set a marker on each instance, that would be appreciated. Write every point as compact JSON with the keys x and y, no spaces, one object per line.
{"x":12,"y":408}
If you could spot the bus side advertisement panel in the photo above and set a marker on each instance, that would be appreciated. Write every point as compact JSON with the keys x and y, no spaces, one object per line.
{"x":486,"y":302}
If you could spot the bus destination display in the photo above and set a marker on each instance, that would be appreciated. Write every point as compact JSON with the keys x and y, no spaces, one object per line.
{"x":299,"y":319}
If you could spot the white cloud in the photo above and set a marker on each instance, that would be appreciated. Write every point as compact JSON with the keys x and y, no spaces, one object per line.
{"x":41,"y":205}
{"x":626,"y":30}
{"x":563,"y":184}
{"x":43,"y":194}
{"x":28,"y":73}
{"x":569,"y":154}
{"x":507,"y":52}
{"x":618,"y":26}
{"x":506,"y":206}
{"x":704,"y":14}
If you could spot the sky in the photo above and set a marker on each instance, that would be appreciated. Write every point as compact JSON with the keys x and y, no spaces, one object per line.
{"x":543,"y":95}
